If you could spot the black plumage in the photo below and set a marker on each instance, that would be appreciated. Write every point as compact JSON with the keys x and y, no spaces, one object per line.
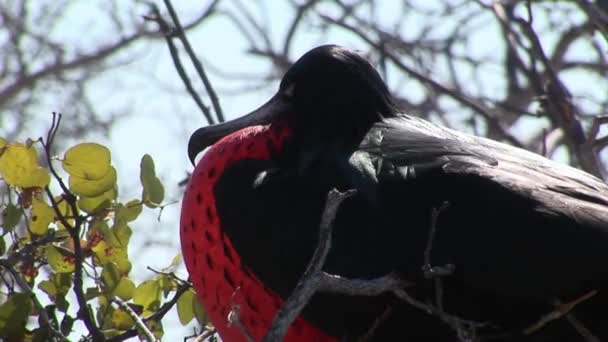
{"x":522,"y":232}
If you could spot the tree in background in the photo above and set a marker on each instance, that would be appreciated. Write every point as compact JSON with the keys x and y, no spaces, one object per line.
{"x":531,"y":73}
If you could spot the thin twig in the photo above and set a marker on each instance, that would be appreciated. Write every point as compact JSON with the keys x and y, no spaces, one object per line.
{"x":156,"y":316}
{"x":431,"y":271}
{"x":197,"y":63}
{"x":84,"y":311}
{"x":166,"y":30}
{"x":312,"y":278}
{"x":234,"y":318}
{"x":560,"y":311}
{"x":139,"y":323}
{"x":205,"y":335}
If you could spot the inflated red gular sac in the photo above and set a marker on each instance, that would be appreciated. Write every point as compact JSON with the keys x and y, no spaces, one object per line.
{"x":220,"y":277}
{"x":521,"y":232}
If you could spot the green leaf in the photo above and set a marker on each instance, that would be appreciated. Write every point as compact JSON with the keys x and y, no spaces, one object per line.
{"x":93,"y":187}
{"x":124,"y":289}
{"x":121,"y":320}
{"x":167,"y":283}
{"x":122,"y":233}
{"x":129,"y":211}
{"x":13,"y":316}
{"x":66,"y":324}
{"x":157,"y":329}
{"x":185,"y":307}
{"x":87,"y":160}
{"x":62,"y":281}
{"x":199,"y":312}
{"x":176,"y":260}
{"x":2,"y":246}
{"x":49,"y":288}
{"x":148,"y":295}
{"x":11,"y":215}
{"x":121,"y":258}
{"x":59,"y":260}
{"x":56,"y":287}
{"x":110,"y":277}
{"x":91,"y":292}
{"x":153,"y":192}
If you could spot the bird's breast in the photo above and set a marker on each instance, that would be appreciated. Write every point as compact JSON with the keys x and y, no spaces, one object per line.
{"x":220,"y":276}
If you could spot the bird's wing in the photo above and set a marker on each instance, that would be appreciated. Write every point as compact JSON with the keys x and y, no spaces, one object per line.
{"x":517,"y":224}
{"x":413,"y":146}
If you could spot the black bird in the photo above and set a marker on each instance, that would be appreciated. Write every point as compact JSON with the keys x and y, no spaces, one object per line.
{"x":524,"y":237}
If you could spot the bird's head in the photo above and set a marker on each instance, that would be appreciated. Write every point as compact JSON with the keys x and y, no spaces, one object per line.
{"x":330,"y":94}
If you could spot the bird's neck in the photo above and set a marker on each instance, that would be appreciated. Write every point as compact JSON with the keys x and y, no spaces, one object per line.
{"x":254,"y":142}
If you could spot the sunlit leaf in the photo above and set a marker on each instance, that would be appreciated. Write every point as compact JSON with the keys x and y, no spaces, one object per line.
{"x":185,"y":307}
{"x":11,"y":215}
{"x":87,"y":160}
{"x":121,"y":259}
{"x":153,"y":192}
{"x":147,"y":295}
{"x":93,"y":205}
{"x":129,"y":211}
{"x":122,"y":232}
{"x":199,"y":312}
{"x":59,"y":259}
{"x":66,"y":211}
{"x":49,"y":288}
{"x":110,"y":276}
{"x":93,"y":187}
{"x":2,"y":142}
{"x":124,"y":289}
{"x":167,"y":283}
{"x":19,"y":167}
{"x":41,"y":217}
{"x":176,"y":260}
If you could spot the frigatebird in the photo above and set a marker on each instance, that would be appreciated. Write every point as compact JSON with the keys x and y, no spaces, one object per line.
{"x":525,"y":238}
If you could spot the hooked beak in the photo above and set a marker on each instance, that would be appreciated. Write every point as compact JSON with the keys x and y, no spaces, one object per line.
{"x":209,"y":135}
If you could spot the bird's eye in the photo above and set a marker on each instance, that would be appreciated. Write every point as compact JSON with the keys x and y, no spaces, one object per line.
{"x":289,"y":90}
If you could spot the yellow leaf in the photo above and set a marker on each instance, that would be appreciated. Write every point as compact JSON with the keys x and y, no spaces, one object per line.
{"x":41,"y":217}
{"x":92,"y":188}
{"x":92,"y":204}
{"x":2,"y":142}
{"x":19,"y":167}
{"x":87,"y":160}
{"x":66,"y":211}
{"x":59,"y":260}
{"x":102,"y":251}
